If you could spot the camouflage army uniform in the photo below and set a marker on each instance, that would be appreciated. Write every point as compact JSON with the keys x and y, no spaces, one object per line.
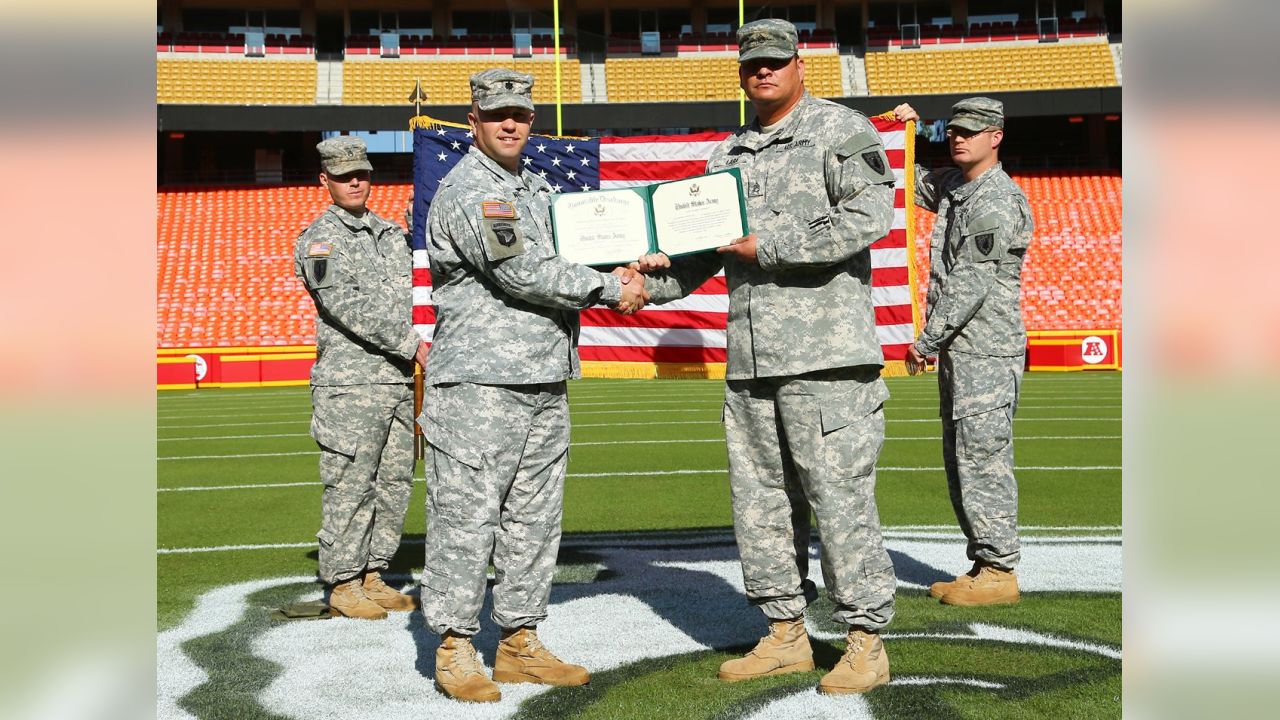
{"x":803,"y":411}
{"x":358,"y":272}
{"x":974,"y":326}
{"x":496,"y":411}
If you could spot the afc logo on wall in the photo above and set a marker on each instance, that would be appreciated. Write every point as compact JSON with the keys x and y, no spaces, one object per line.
{"x":202,"y":367}
{"x":1093,"y":350}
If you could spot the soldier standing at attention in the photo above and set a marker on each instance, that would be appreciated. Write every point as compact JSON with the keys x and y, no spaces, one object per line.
{"x":496,"y":413}
{"x":974,"y":326}
{"x":803,"y":412}
{"x":357,"y":268}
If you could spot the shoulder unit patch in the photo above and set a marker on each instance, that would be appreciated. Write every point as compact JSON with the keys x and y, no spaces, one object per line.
{"x":985,"y":242}
{"x":873,"y":161}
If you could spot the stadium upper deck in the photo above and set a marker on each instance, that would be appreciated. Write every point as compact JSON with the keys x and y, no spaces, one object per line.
{"x":651,"y":53}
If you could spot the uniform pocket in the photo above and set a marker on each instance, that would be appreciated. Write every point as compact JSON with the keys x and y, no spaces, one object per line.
{"x":981,"y":435}
{"x":877,"y":580}
{"x":435,"y":580}
{"x":327,"y":427}
{"x":976,"y":400}
{"x":450,"y":443}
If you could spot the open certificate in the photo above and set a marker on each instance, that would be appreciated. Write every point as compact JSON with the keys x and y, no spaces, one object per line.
{"x":615,"y":227}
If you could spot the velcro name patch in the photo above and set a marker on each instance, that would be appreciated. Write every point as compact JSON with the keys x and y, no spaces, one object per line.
{"x":498,"y":209}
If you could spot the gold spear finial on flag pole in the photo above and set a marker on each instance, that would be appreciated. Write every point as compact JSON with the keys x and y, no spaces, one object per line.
{"x":417,"y":97}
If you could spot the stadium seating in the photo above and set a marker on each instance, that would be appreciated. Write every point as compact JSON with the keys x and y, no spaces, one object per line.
{"x":702,"y":78}
{"x":225,"y":258}
{"x":236,"y":82}
{"x":1031,"y":67}
{"x":225,"y":263}
{"x":1071,"y":277}
{"x":389,"y":82}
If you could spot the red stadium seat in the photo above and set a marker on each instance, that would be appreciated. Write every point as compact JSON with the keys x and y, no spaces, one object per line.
{"x":1071,"y":279}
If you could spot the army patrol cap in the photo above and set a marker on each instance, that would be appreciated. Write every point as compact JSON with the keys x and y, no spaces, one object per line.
{"x":977,"y":114}
{"x":499,"y":88}
{"x":769,"y":38}
{"x":341,"y":155}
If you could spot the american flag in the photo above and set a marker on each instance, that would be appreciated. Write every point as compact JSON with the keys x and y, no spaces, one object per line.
{"x":688,"y":331}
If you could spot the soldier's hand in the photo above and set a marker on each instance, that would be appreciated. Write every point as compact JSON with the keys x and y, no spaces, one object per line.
{"x":420,"y":355}
{"x":915,"y":361}
{"x":905,"y":112}
{"x":651,"y":262}
{"x":634,"y":296}
{"x":744,"y":248}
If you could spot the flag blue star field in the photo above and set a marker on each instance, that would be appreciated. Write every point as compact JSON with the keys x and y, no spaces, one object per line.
{"x":691,"y":330}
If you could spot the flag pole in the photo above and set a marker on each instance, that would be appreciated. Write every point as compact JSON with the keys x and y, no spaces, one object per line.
{"x":419,"y":447}
{"x":555,"y":20}
{"x":742,"y":95}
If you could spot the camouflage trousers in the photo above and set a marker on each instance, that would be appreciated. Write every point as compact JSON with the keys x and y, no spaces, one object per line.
{"x":365,"y":434}
{"x":979,"y":396}
{"x":801,"y":443}
{"x":495,"y":491}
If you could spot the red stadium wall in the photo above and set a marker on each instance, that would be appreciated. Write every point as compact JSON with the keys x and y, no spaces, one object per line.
{"x":1065,"y":350}
{"x":192,"y":368}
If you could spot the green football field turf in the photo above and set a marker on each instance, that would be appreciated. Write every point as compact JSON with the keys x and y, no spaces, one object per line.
{"x":238,"y":500}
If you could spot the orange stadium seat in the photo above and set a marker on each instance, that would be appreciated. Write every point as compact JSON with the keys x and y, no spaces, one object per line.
{"x":1071,"y":277}
{"x":225,"y":263}
{"x":225,"y":258}
{"x":1030,"y":67}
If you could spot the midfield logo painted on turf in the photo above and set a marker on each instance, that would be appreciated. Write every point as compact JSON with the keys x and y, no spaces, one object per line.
{"x":626,"y":607}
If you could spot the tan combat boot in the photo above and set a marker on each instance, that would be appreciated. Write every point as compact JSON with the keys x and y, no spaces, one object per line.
{"x":940,"y":588}
{"x":865,"y":665}
{"x":348,"y":599}
{"x":784,"y":650}
{"x":459,"y":673}
{"x":989,"y":587}
{"x":385,"y":595}
{"x":523,"y":658}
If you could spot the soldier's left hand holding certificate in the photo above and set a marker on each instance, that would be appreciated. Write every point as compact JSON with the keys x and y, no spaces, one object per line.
{"x":614,"y":227}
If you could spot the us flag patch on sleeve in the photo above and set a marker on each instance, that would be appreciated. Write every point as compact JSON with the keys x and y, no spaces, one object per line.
{"x":319,"y":249}
{"x":498,"y":209}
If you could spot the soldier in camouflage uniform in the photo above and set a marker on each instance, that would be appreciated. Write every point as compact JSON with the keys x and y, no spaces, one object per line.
{"x":803,"y":412}
{"x":496,"y":412}
{"x":974,"y":326}
{"x":357,"y":268}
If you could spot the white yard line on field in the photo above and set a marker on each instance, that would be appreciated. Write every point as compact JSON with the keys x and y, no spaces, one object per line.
{"x":1102,"y":534}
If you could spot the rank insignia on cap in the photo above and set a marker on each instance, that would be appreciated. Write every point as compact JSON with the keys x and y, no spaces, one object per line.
{"x":495,"y":209}
{"x":319,"y":249}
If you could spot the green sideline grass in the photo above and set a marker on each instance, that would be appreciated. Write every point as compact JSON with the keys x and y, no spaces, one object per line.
{"x":1065,"y":420}
{"x":1087,"y":406}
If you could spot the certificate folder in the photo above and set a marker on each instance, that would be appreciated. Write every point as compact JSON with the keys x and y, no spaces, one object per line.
{"x":615,"y":227}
